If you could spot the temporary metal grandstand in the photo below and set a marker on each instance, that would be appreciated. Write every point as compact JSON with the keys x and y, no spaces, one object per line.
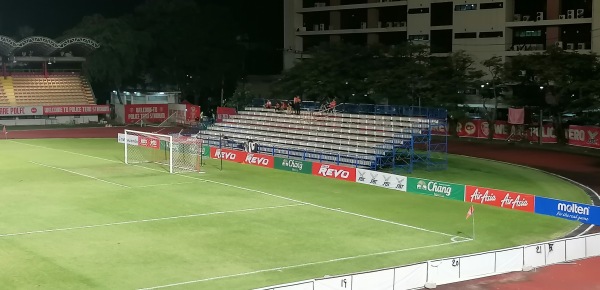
{"x":366,"y":136}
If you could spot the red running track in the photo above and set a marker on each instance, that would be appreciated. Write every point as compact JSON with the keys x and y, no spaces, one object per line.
{"x":579,"y":275}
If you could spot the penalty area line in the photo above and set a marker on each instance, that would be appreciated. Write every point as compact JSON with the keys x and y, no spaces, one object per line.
{"x":148,"y":220}
{"x":80,"y":174}
{"x":260,"y":192}
{"x":301,"y":265}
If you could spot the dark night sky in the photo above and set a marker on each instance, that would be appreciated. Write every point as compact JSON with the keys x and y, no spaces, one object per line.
{"x":261,"y":20}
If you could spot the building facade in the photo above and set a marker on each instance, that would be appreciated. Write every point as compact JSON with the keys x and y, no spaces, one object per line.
{"x":483,"y":28}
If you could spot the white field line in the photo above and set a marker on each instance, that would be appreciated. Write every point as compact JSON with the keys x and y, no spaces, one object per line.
{"x":147,"y":220}
{"x":164,"y":184}
{"x":300,"y":265}
{"x":263,"y":193}
{"x":80,"y":174}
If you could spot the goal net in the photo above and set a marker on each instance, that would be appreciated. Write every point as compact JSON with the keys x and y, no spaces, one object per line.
{"x":175,"y":153}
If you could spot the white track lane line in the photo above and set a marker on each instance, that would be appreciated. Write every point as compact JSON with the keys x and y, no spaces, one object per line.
{"x":80,"y":174}
{"x":258,"y":191}
{"x":299,"y":265}
{"x":147,"y":220}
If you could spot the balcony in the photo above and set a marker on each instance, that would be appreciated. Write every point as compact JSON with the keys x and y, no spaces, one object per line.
{"x":572,"y":17}
{"x":318,"y":29}
{"x":382,"y":3}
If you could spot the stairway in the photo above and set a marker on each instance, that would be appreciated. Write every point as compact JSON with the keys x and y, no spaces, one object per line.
{"x":9,"y":89}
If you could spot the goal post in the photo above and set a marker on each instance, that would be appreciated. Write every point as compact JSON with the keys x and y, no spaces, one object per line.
{"x":175,"y":153}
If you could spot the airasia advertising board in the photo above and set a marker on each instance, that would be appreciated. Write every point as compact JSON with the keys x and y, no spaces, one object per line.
{"x":334,"y":171}
{"x":584,"y":136}
{"x":500,"y":198}
{"x":154,"y":113}
{"x":261,"y":160}
{"x":21,"y":111}
{"x":76,"y":110}
{"x":228,"y":154}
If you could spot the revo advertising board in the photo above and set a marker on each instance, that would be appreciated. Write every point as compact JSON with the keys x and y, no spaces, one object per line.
{"x":500,"y":198}
{"x":334,"y":171}
{"x":584,"y":213}
{"x":261,"y":160}
{"x":293,"y":165}
{"x":154,"y":113}
{"x":228,"y":154}
{"x":21,"y":111}
{"x":381,"y":179}
{"x":436,"y":188}
{"x":149,"y":142}
{"x":76,"y":110}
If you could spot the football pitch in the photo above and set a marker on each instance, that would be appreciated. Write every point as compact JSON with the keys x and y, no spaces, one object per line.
{"x":74,"y":216}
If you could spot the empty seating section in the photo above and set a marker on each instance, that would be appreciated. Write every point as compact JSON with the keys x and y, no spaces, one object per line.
{"x":53,"y":90}
{"x":3,"y":98}
{"x":349,"y":139}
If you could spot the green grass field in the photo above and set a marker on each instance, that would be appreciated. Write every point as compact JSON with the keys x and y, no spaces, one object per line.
{"x":75,"y":217}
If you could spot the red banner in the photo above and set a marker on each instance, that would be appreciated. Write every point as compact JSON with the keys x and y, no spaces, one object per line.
{"x":192,"y":112}
{"x":149,"y":142}
{"x":500,"y":198}
{"x":224,"y":113}
{"x":334,"y":171}
{"x":76,"y":110}
{"x":584,"y":136}
{"x":228,"y":154}
{"x":21,"y":111}
{"x":503,"y":130}
{"x":153,"y":113}
{"x":261,"y":160}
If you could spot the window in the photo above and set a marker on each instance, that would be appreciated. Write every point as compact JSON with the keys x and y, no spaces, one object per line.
{"x":419,"y":37}
{"x":463,"y":35}
{"x":465,"y":7}
{"x":529,"y":33}
{"x":493,"y":5}
{"x":418,"y":10}
{"x":491,"y":34}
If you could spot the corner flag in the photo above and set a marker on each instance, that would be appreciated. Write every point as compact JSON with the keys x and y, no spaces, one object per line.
{"x":470,"y":212}
{"x":4,"y":130}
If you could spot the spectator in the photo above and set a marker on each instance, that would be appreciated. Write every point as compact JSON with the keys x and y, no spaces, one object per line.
{"x":284,"y":105}
{"x":297,"y":102}
{"x":332,"y":105}
{"x":277,"y":106}
{"x":268,"y":104}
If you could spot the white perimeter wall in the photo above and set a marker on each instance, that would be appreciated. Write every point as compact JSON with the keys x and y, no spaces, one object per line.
{"x":457,"y":269}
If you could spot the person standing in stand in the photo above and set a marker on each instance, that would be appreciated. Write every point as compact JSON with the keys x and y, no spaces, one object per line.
{"x":297,"y":102}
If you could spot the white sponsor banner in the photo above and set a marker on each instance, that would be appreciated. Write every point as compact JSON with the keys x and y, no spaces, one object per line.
{"x":131,"y":139}
{"x":381,"y":179}
{"x":21,"y":111}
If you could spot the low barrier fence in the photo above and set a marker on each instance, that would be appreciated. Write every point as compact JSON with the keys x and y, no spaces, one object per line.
{"x":460,"y":268}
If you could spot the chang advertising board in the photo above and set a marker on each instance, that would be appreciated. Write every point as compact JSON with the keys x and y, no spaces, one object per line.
{"x":334,"y":171}
{"x":293,"y":165}
{"x":436,"y":188}
{"x":500,"y":198}
{"x":584,"y":213}
{"x":381,"y":179}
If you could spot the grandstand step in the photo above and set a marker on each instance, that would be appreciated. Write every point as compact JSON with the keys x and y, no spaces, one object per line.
{"x":9,"y":90}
